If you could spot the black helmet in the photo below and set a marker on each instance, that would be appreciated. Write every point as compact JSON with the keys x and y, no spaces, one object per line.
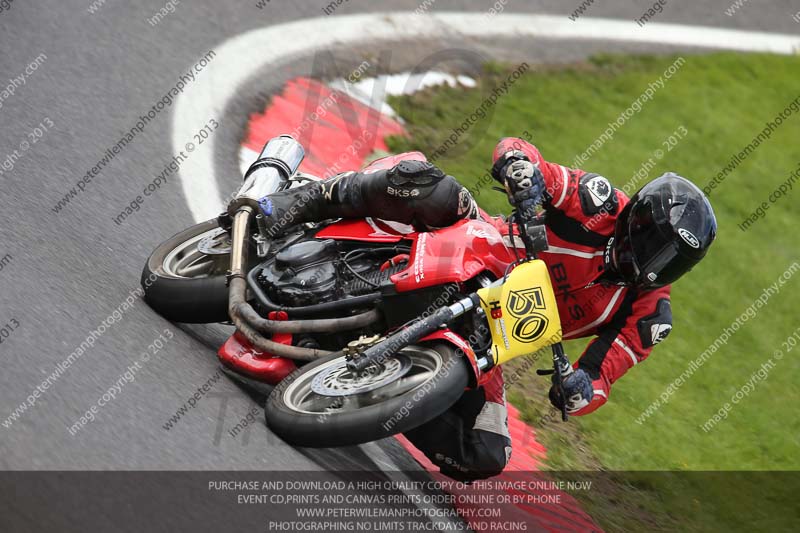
{"x":661,"y":233}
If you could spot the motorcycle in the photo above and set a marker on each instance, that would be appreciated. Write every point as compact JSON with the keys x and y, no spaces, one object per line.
{"x":365,"y":328}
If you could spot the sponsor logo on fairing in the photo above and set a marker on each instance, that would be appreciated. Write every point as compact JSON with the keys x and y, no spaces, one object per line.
{"x":497,"y":311}
{"x":501,"y":324}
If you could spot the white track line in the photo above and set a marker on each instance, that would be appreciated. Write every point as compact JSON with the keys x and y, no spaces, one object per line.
{"x":240,"y":57}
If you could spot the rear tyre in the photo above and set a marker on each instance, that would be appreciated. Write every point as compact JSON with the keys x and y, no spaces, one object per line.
{"x":323,"y":404}
{"x":184,"y":278}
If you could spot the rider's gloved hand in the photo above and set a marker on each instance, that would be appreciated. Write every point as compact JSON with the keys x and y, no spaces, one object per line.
{"x":527,"y":182}
{"x":578,"y":391}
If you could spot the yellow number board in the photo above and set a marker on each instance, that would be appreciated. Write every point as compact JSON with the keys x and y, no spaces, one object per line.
{"x":522,"y":312}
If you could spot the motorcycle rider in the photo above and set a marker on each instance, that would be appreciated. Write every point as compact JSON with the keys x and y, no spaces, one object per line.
{"x":611,"y":261}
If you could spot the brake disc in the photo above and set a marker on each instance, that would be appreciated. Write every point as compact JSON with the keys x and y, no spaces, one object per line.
{"x":338,"y":380}
{"x":218,"y":243}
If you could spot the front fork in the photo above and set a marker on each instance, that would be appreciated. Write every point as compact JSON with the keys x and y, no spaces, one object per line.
{"x":400,"y":339}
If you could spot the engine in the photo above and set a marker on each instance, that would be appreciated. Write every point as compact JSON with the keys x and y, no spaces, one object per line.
{"x":315,"y":271}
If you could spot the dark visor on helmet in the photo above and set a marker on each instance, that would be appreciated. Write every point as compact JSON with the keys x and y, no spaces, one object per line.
{"x":645,"y":256}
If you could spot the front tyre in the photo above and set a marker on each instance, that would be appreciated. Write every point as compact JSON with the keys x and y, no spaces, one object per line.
{"x":184,"y":278}
{"x":323,"y":404}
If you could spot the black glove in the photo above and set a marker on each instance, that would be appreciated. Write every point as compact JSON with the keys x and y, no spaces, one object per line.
{"x":527,"y":186}
{"x":578,"y":390}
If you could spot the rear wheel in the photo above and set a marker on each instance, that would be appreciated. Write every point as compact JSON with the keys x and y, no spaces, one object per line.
{"x":184,"y":278}
{"x":324,"y":404}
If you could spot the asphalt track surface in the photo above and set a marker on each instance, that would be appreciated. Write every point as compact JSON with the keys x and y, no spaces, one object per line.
{"x":70,"y":270}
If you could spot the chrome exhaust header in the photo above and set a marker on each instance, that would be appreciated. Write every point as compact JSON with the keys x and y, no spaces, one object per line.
{"x":278,"y":161}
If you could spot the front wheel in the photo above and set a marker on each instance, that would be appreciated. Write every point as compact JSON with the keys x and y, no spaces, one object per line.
{"x":184,"y":278}
{"x":324,"y":404}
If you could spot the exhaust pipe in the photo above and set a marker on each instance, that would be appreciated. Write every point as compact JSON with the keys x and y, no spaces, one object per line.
{"x":239,"y":309}
{"x":239,"y":231}
{"x":278,"y":161}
